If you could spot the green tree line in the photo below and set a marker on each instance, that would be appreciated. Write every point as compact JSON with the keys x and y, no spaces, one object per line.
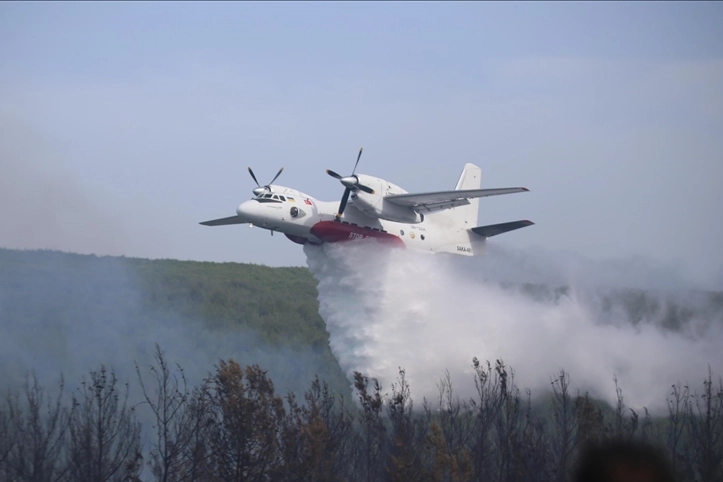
{"x":56,"y":306}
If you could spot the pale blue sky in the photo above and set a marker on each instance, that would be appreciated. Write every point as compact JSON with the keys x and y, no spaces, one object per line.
{"x":122,"y":125}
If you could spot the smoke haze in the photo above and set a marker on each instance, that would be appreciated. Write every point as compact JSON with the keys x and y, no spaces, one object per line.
{"x":68,"y":314}
{"x":390,"y":309}
{"x":43,"y":205}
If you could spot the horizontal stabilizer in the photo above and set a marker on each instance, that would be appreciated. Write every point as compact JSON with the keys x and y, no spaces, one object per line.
{"x":223,"y":221}
{"x":495,"y":229}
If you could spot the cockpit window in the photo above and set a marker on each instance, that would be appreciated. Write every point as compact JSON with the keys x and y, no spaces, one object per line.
{"x":282,"y":197}
{"x":267,"y":196}
{"x":276,"y":197}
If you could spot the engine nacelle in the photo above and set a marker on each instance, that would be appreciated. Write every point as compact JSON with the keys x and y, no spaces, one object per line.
{"x":374,"y":204}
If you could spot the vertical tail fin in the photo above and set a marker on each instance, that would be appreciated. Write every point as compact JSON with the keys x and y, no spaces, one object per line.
{"x":466,"y":216}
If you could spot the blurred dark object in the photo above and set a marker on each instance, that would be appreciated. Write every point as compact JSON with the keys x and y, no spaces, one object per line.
{"x":623,"y":461}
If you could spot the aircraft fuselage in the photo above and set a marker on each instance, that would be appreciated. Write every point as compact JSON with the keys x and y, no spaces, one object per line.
{"x":433,"y":222}
{"x":303,"y":219}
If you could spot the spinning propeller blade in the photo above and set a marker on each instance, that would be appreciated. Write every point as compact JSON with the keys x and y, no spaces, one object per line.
{"x":261,"y":189}
{"x":254,"y":177}
{"x":344,"y":199}
{"x":357,"y":160}
{"x":333,"y":174}
{"x":350,"y":183}
{"x":277,"y":175}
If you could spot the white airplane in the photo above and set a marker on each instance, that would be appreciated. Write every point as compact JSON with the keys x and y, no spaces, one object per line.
{"x":437,"y":222}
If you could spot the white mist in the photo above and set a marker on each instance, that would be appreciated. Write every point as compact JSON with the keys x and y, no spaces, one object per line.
{"x":386,"y":309}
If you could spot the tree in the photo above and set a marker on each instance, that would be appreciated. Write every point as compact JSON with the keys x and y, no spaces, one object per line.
{"x":39,"y":435}
{"x":173,"y":427}
{"x":531,"y":453}
{"x":373,"y":432}
{"x":407,"y":433}
{"x":246,"y":422}
{"x":8,"y":435}
{"x":196,"y":456}
{"x":591,"y":422}
{"x":677,"y":405}
{"x":339,"y":423}
{"x":456,"y":420}
{"x":491,"y":385}
{"x":508,"y":426}
{"x":441,"y":465}
{"x":104,"y":433}
{"x":622,"y":428}
{"x":316,"y":436}
{"x":706,"y":430}
{"x":565,"y":426}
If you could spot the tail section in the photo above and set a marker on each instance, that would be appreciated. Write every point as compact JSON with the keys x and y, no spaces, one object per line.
{"x":465,"y":237}
{"x":466,"y":216}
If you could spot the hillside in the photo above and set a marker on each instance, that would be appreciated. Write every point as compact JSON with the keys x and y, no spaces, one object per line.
{"x":70,"y":312}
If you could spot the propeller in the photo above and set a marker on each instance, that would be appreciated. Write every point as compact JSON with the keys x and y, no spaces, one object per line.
{"x":350,"y":183}
{"x":261,"y":189}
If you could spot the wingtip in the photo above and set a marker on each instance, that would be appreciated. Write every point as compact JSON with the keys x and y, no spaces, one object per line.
{"x":525,"y":189}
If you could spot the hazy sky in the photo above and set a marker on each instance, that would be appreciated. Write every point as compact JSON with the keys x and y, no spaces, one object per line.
{"x":122,"y":125}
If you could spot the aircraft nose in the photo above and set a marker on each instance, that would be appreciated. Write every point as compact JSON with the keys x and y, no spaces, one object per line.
{"x":245,"y":210}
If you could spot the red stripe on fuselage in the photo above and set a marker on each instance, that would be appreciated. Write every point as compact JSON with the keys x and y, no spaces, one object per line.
{"x":336,"y":231}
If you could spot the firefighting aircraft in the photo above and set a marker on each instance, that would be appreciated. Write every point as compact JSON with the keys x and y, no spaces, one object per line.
{"x":437,"y":222}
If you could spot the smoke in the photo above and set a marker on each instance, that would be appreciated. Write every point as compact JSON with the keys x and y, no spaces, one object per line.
{"x":41,"y":203}
{"x":68,"y":314}
{"x":538,"y":311}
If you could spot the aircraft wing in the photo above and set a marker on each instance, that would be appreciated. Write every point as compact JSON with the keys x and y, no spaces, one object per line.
{"x":435,"y":201}
{"x":223,"y":221}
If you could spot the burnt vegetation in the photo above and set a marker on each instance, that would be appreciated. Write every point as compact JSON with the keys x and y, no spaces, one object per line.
{"x":235,"y":426}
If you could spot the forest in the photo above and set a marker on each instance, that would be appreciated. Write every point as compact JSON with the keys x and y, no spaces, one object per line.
{"x":125,"y":369}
